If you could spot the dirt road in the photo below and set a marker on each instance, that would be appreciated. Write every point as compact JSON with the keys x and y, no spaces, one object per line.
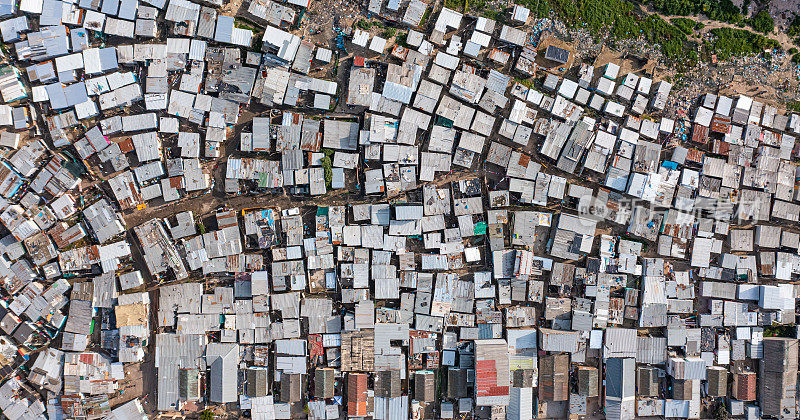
{"x":209,"y":203}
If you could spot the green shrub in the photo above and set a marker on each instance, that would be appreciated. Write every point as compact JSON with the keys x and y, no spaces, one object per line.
{"x":426,"y":15}
{"x":493,"y":14}
{"x":402,"y":39}
{"x":719,"y":412}
{"x":526,"y":82}
{"x":476,"y":6}
{"x":793,"y":105}
{"x":245,"y":24}
{"x":676,"y":7}
{"x":722,"y":10}
{"x":673,"y":41}
{"x":388,"y":32}
{"x":457,"y":5}
{"x":538,"y":8}
{"x":327,"y":166}
{"x":623,"y":19}
{"x":762,"y":22}
{"x":620,"y":19}
{"x":732,"y":42}
{"x":793,"y":50}
{"x":780,"y":331}
{"x":685,"y":25}
{"x":794,"y":27}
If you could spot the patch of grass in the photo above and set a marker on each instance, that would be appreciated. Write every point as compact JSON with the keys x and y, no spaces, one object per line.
{"x":457,"y":5}
{"x":327,"y":166}
{"x":793,"y":105}
{"x":426,"y":15}
{"x":245,"y":24}
{"x":364,"y":24}
{"x":335,"y":68}
{"x":496,"y":15}
{"x":526,"y":82}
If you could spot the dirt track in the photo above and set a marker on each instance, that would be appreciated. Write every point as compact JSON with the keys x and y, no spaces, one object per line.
{"x":208,"y":203}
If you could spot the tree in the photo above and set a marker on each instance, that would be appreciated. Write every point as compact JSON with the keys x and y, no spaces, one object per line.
{"x":762,"y":22}
{"x":685,"y":25}
{"x":206,"y":415}
{"x":720,"y":412}
{"x":389,"y":32}
{"x":794,"y":27}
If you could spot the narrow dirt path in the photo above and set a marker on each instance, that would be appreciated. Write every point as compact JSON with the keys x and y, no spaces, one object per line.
{"x":208,"y":203}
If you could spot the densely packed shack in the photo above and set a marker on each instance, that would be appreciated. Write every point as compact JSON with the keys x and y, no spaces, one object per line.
{"x":208,"y":213}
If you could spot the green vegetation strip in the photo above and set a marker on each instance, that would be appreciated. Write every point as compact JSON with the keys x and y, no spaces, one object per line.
{"x":686,"y":25}
{"x":622,"y":19}
{"x":732,"y":42}
{"x":721,"y":10}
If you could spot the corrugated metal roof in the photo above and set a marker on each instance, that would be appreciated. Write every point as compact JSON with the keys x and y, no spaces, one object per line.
{"x":620,"y":378}
{"x":175,"y":351}
{"x":652,"y":350}
{"x":558,"y":341}
{"x":224,"y":361}
{"x":620,"y":342}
